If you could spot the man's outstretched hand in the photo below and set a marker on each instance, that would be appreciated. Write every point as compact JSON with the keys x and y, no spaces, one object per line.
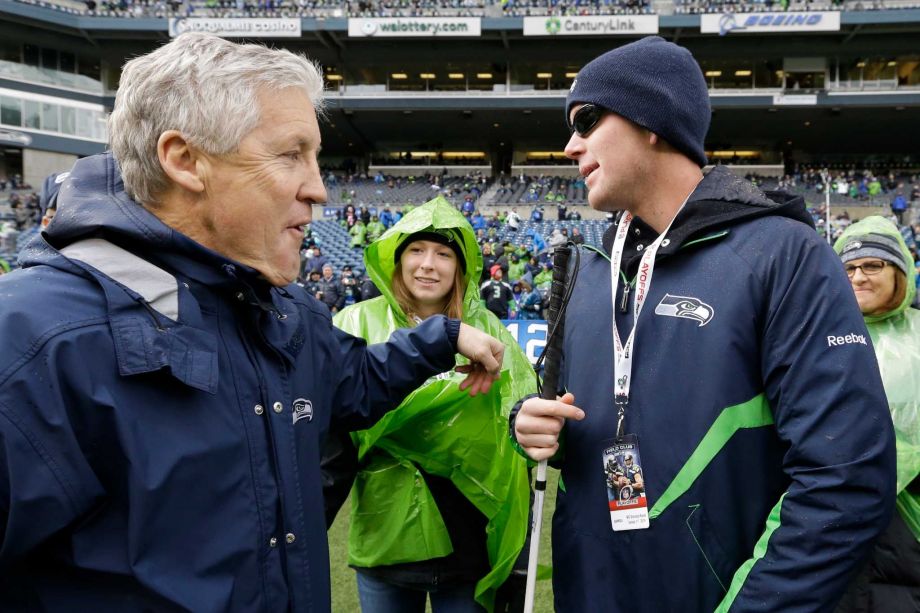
{"x":485,"y":355}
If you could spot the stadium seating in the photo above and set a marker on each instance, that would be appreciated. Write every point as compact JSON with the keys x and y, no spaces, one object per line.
{"x":335,"y":242}
{"x":367,"y":192}
{"x":324,"y":9}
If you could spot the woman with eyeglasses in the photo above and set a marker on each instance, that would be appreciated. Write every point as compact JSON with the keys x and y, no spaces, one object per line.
{"x":440,"y":503}
{"x":881,"y":271}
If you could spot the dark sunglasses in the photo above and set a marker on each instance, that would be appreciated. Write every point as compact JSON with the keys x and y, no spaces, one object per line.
{"x":585,"y":119}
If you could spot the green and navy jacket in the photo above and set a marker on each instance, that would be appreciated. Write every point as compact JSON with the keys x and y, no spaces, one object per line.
{"x":766,"y":442}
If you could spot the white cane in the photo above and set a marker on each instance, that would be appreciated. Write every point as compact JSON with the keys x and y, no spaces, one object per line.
{"x":551,"y":358}
{"x":539,"y":492}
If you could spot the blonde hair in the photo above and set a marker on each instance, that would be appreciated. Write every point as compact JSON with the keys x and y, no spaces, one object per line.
{"x":453,"y":306}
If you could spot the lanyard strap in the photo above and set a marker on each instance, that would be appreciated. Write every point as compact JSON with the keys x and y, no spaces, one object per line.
{"x":623,"y":353}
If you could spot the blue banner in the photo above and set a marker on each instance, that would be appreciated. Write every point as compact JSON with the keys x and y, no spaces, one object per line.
{"x":530,"y":335}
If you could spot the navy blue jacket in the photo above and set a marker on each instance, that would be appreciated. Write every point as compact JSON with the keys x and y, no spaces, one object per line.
{"x":162,"y":453}
{"x":766,"y":443}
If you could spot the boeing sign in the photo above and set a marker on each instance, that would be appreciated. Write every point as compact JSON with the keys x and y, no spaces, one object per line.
{"x":732,"y":23}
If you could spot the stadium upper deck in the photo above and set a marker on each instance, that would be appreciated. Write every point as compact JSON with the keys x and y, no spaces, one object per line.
{"x":786,"y":86}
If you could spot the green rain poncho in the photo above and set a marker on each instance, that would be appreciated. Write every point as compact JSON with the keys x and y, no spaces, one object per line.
{"x":896,"y":337}
{"x":438,"y":428}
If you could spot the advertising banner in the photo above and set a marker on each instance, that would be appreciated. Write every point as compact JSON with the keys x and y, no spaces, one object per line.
{"x":749,"y":23}
{"x":415,"y":26}
{"x":593,"y":25}
{"x":530,"y":335}
{"x":236,"y":27}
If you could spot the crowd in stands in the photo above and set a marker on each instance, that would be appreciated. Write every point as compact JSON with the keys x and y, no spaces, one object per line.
{"x":361,"y":189}
{"x":517,"y":263}
{"x":848,"y":186}
{"x":433,"y":8}
{"x":516,"y":246}
{"x":19,"y":219}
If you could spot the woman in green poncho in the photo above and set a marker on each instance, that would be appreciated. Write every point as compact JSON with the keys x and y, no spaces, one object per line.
{"x":440,"y":504}
{"x":882,"y":274}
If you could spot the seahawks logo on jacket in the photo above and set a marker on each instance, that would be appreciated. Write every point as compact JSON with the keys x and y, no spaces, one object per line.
{"x":303,"y":409}
{"x":686,"y":307}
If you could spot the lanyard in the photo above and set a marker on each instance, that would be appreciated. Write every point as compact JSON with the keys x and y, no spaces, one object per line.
{"x":623,"y":353}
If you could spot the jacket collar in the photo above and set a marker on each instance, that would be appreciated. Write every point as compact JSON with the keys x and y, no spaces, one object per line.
{"x":92,"y":203}
{"x":720,"y":201}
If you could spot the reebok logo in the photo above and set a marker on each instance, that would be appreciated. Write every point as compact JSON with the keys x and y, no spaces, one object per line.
{"x":849,"y":339}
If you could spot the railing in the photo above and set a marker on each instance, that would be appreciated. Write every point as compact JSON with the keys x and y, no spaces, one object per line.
{"x":56,"y":78}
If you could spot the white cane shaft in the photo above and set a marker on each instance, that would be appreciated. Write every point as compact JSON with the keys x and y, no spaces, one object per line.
{"x":539,"y":493}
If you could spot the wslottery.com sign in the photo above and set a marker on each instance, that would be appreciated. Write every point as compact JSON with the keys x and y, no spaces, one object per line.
{"x":530,"y":335}
{"x":240,"y":28}
{"x":415,"y":26}
{"x":594,"y":25}
{"x":744,"y":23}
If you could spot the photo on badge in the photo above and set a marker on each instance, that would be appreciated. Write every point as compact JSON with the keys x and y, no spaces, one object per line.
{"x":625,"y":485}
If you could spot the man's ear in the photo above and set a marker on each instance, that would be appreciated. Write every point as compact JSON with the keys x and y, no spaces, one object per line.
{"x":180,"y":161}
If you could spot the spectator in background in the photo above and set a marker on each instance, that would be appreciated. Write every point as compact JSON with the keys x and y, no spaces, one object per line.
{"x":318,"y":260}
{"x":374,"y":229}
{"x":358,"y":234}
{"x":544,"y":279}
{"x":311,"y":284}
{"x":386,"y":218}
{"x":331,"y":290}
{"x":577,"y":237}
{"x":488,"y":260}
{"x":351,"y":292}
{"x":881,"y":271}
{"x":538,"y":244}
{"x":531,"y":304}
{"x":497,"y":293}
{"x":478,"y":221}
{"x":561,"y":211}
{"x":536,"y":214}
{"x":368,"y":288}
{"x":513,"y":220}
{"x":441,"y":501}
{"x":515,"y":267}
{"x":899,"y":207}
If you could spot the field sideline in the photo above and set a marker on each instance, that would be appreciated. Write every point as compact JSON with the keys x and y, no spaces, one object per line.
{"x":344,"y":588}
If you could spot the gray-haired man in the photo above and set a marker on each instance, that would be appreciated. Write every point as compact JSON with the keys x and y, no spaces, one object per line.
{"x":164,"y":387}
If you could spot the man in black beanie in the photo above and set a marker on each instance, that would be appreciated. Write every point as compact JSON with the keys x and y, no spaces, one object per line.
{"x":736,"y":375}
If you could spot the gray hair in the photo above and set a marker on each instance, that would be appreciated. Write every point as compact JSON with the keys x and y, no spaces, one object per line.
{"x":206,"y":88}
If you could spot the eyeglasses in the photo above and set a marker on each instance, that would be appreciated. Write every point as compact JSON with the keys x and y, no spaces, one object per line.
{"x":868,"y":268}
{"x":585,"y":119}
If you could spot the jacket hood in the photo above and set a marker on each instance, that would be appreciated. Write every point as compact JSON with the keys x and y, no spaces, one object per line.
{"x":721,"y":200}
{"x":434,"y":215}
{"x":876,"y":224}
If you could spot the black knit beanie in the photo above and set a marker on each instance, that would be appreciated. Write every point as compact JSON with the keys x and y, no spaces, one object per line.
{"x":653,"y":83}
{"x":444,"y":237}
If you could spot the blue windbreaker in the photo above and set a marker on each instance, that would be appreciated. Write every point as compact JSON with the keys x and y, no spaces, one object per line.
{"x":161,"y":453}
{"x":766,"y":444}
